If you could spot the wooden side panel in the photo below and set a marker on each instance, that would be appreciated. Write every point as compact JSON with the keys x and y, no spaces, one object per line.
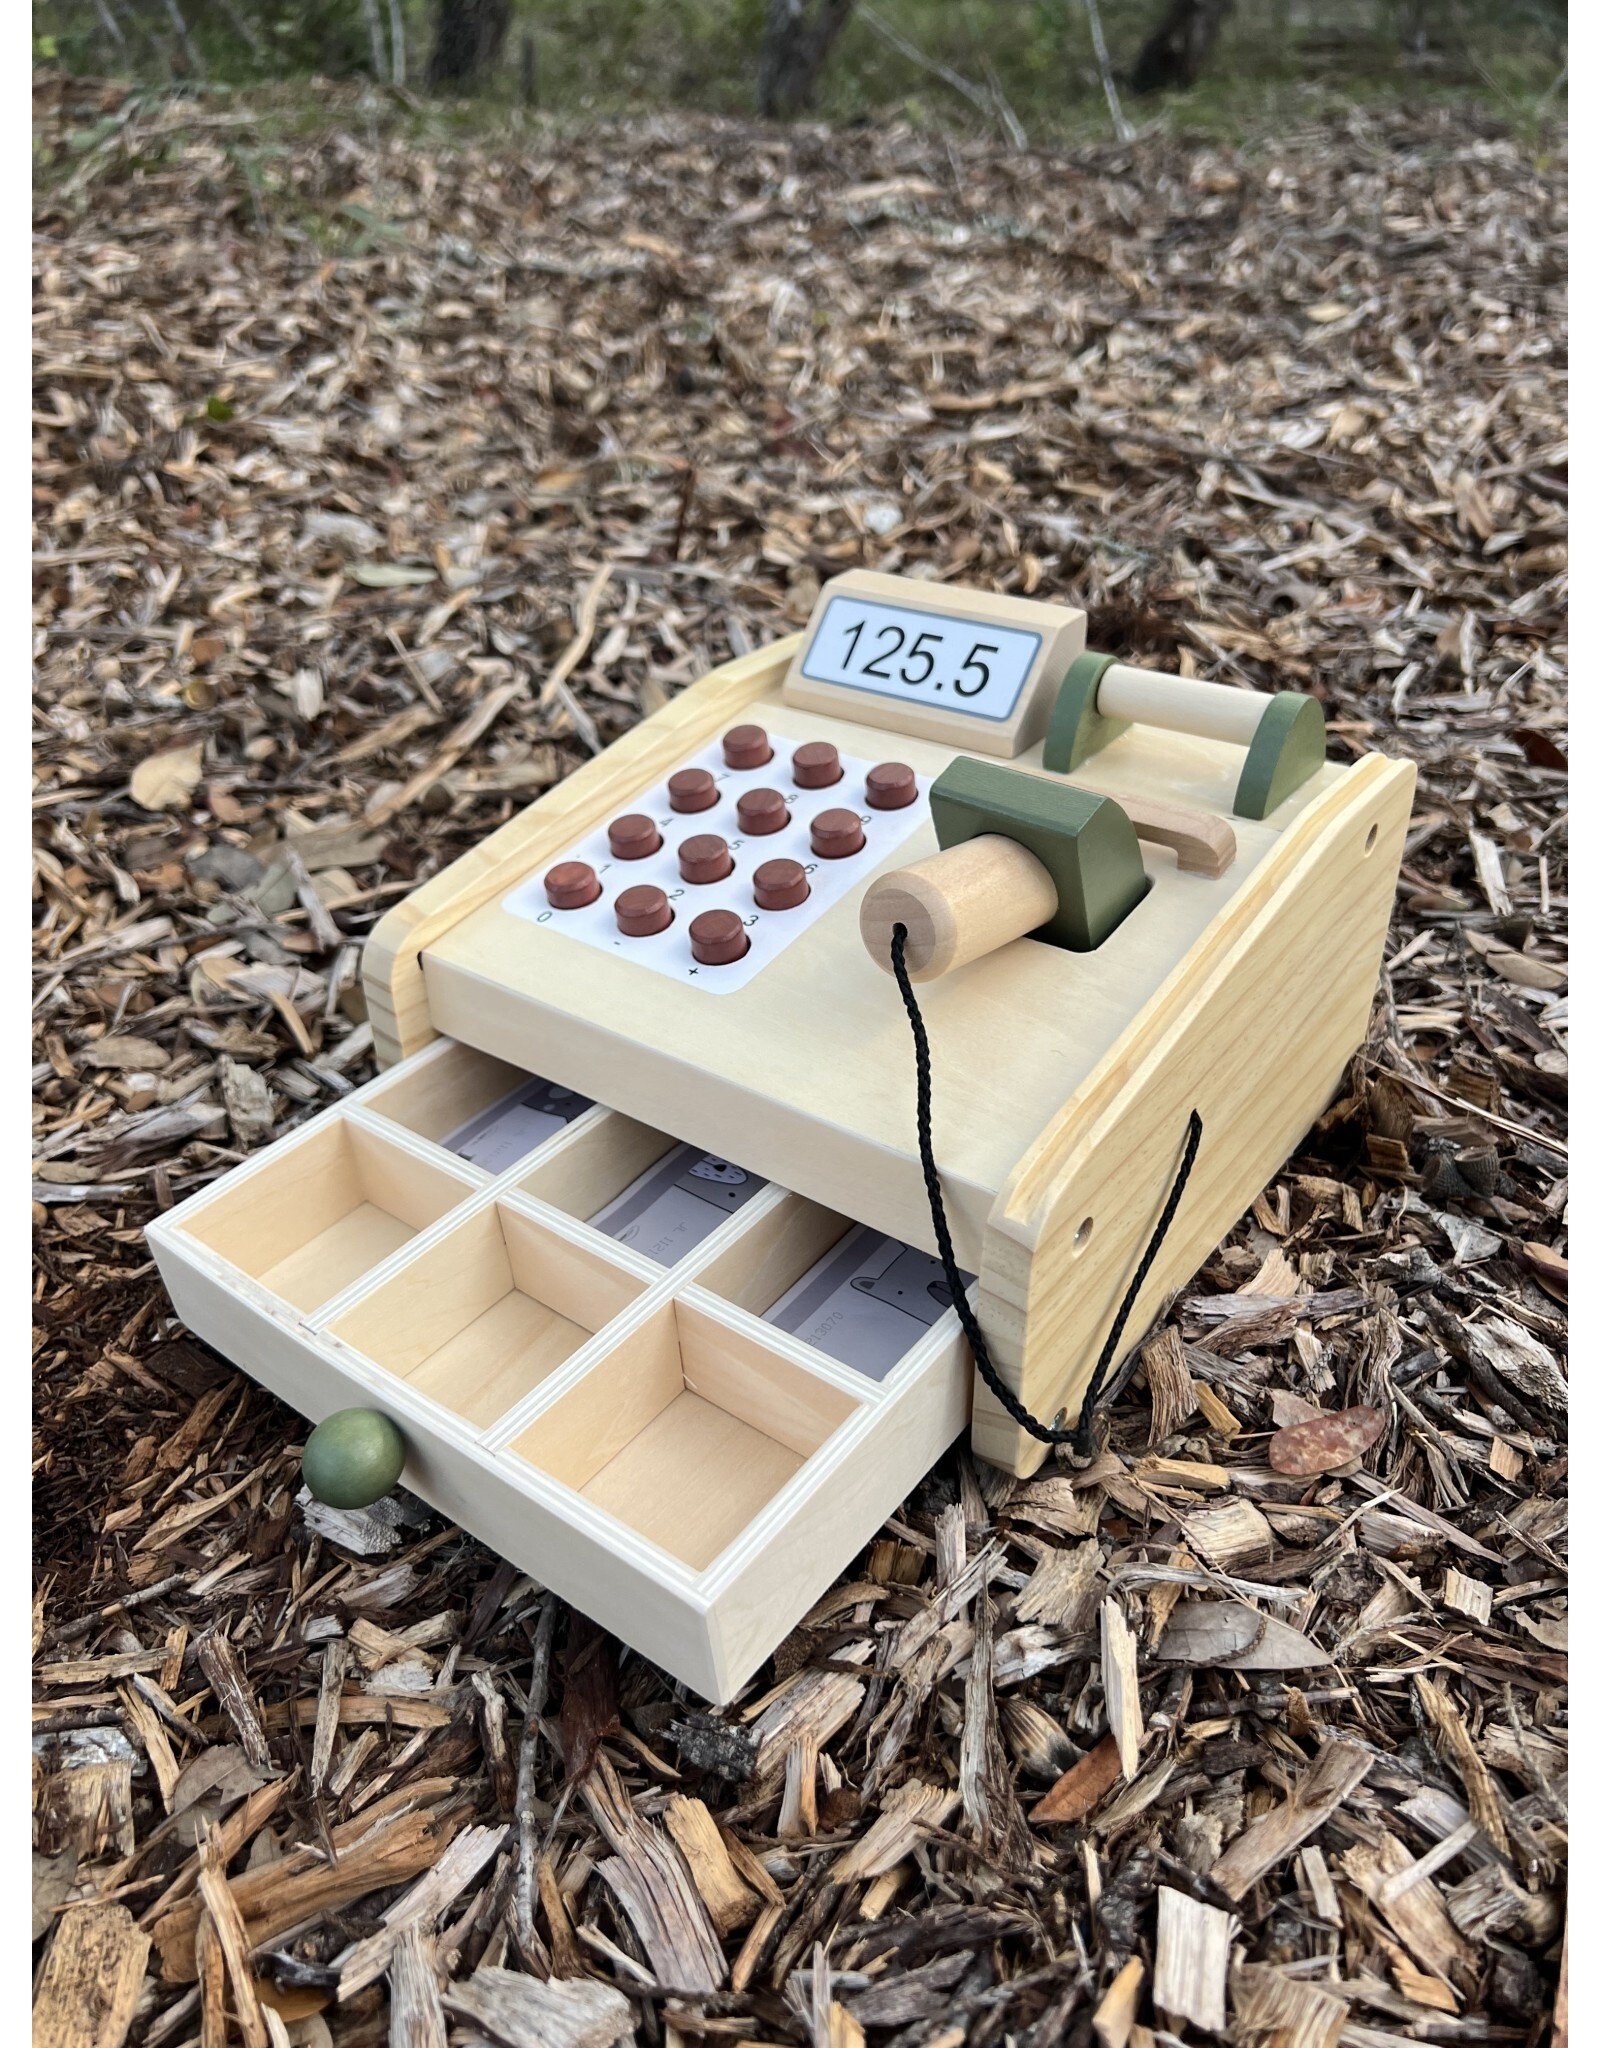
{"x":392,"y":965}
{"x":1253,"y":1030}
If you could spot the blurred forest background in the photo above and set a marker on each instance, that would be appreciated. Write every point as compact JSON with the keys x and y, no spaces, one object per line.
{"x":1024,"y":70}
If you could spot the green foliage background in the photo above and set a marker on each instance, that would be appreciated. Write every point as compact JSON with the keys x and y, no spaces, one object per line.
{"x":1276,"y":59}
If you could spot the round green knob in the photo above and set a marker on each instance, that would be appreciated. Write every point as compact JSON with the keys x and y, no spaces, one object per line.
{"x":353,"y":1458}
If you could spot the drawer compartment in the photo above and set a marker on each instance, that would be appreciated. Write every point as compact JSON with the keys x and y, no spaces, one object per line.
{"x":688,"y":1475}
{"x":488,"y":1311}
{"x":641,"y":1187}
{"x":685,"y":1430}
{"x":315,"y":1214}
{"x":860,"y":1298}
{"x":484,"y":1110}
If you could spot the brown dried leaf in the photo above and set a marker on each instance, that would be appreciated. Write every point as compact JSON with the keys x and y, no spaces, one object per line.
{"x":1306,"y":1448}
{"x":1080,"y":1790}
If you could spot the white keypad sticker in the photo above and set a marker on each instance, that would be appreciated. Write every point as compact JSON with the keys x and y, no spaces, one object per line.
{"x":668,"y":952}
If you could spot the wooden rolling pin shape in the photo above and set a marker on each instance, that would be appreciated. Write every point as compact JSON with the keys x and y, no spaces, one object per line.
{"x":958,"y":905}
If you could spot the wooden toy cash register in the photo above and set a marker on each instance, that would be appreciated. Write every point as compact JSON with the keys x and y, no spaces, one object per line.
{"x":653,"y":1252}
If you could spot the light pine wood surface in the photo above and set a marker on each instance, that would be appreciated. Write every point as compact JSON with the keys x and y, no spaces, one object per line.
{"x":957,"y":905}
{"x":699,"y":1477}
{"x":805,"y":1075}
{"x":1253,"y":1029}
{"x":638,"y":1438}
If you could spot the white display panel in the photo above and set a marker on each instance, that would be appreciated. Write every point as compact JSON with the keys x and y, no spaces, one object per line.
{"x":967,"y":666}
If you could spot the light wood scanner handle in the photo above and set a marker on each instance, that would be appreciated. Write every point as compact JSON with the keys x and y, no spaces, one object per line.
{"x":958,"y":905}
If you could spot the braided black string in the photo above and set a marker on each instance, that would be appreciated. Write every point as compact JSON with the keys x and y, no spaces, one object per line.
{"x":1079,"y":1436}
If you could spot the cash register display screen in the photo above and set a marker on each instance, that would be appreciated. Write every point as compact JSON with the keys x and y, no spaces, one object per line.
{"x":952,"y":664}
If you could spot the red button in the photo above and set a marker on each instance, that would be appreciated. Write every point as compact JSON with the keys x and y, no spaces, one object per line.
{"x":704,"y":858}
{"x":717,"y":938}
{"x":891,"y":786}
{"x":634,"y":837}
{"x":781,"y":885}
{"x":692,"y":789}
{"x":642,"y":910}
{"x":571,"y":884}
{"x":762,"y":811}
{"x":836,"y":834}
{"x":816,"y":764}
{"x":746,"y":746}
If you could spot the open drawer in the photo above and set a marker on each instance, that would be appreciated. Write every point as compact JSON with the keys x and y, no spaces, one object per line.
{"x":455,"y":1246}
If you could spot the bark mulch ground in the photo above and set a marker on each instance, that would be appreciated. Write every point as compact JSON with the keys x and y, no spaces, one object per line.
{"x":338,"y":436}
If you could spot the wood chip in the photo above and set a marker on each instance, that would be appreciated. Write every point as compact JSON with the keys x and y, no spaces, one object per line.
{"x":730,"y":1902}
{"x":1191,"y":1968}
{"x":1119,"y":1674}
{"x":1115,"y":2014}
{"x":89,"y":1984}
{"x":1338,"y":1769}
{"x":506,"y":2007}
{"x":1444,"y":1717}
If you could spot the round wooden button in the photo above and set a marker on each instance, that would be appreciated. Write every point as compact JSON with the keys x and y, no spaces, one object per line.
{"x":692,"y":789}
{"x":643,"y":909}
{"x":704,"y":858}
{"x":762,"y":811}
{"x":746,"y":746}
{"x":718,"y":937}
{"x":634,"y":837}
{"x":816,"y":764}
{"x":891,"y":786}
{"x":835,"y":834}
{"x":571,"y":884}
{"x":781,"y":885}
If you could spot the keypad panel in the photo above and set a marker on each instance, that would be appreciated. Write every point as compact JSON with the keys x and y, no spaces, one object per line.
{"x":728,"y":848}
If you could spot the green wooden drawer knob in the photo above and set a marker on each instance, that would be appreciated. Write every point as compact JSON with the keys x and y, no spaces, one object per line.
{"x":353,"y":1458}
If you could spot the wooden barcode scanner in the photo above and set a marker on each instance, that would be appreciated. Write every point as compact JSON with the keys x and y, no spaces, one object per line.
{"x":661,"y":1250}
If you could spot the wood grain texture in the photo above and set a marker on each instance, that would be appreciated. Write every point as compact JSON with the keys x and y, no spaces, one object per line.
{"x":1210,"y":711}
{"x":1204,"y":845}
{"x":1253,"y":1028}
{"x":957,"y":905}
{"x":90,"y":1981}
{"x":804,"y":1075}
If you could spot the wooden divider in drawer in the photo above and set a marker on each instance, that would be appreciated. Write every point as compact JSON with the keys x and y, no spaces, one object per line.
{"x":685,"y":1430}
{"x":863,"y":1300}
{"x":318,"y":1212}
{"x":483,"y":1110}
{"x":639,"y":1186}
{"x":488,"y":1311}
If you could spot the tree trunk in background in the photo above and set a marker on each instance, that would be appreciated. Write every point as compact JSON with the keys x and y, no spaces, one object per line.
{"x":468,"y":36}
{"x":1177,"y":51}
{"x":799,"y":35}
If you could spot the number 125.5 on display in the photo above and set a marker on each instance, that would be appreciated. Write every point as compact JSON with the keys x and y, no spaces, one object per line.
{"x":961,"y":665}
